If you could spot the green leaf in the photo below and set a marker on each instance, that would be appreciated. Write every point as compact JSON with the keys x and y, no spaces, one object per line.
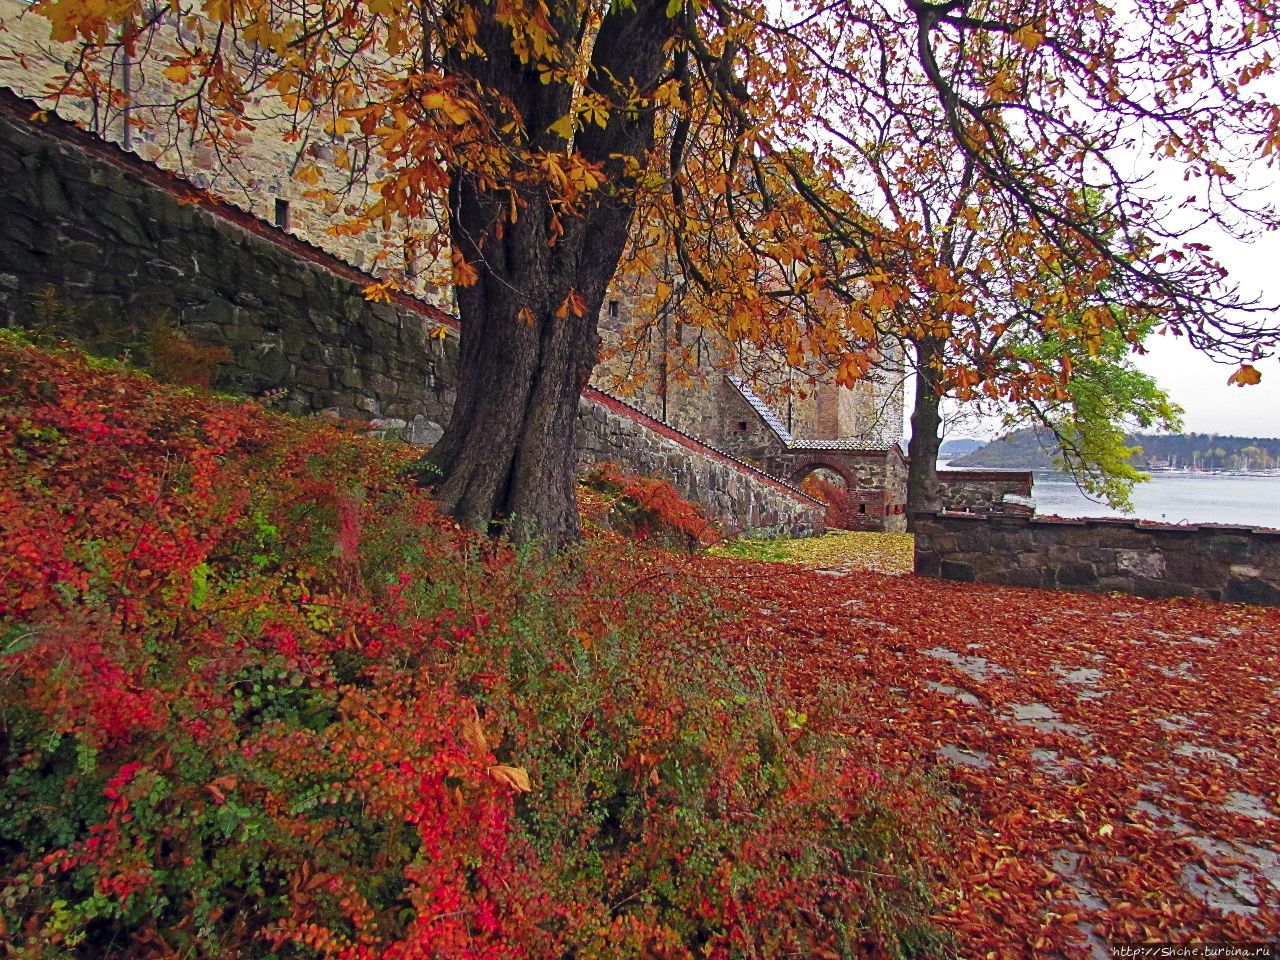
{"x":200,"y":585}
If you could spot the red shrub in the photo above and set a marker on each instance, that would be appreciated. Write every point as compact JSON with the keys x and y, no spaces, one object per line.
{"x":842,"y":510}
{"x":646,"y":508}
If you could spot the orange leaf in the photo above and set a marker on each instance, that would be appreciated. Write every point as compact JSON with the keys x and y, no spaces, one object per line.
{"x":178,"y":72}
{"x":473,"y":734}
{"x":573,"y":303}
{"x":1247,"y":375}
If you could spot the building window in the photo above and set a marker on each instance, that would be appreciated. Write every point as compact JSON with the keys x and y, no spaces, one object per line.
{"x":613,"y":309}
{"x":741,"y":426}
{"x":282,"y":214}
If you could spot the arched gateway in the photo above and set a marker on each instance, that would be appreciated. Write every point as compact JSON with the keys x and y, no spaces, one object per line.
{"x":872,"y":471}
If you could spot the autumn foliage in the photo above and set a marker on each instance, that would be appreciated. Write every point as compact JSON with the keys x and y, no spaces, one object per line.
{"x":261,"y":699}
{"x":645,"y":508}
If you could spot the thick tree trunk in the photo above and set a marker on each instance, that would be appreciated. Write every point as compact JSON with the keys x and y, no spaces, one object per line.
{"x":924,"y":493}
{"x":508,"y":452}
{"x":529,"y":341}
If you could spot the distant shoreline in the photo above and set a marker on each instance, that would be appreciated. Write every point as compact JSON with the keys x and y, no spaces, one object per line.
{"x":1173,"y":496}
{"x":1164,"y":453}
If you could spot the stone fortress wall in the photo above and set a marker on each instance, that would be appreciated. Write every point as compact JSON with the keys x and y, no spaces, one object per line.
{"x":123,"y":244}
{"x":676,"y":373}
{"x":261,"y":181}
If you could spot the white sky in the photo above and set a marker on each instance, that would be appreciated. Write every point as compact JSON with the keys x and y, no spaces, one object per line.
{"x":1200,"y":385}
{"x":1192,"y":380}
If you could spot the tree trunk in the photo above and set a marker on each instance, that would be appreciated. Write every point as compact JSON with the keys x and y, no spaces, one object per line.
{"x":529,"y":340}
{"x":924,"y":493}
{"x":526,"y":353}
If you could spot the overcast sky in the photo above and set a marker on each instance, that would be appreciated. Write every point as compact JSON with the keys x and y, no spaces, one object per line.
{"x":1199,"y":385}
{"x":1193,"y":381}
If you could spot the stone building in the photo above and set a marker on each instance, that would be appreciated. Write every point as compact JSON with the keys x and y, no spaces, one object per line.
{"x":793,"y":423}
{"x":256,"y":170}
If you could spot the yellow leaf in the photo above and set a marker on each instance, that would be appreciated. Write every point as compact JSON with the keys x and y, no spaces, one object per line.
{"x":1106,"y":830}
{"x":514,"y":777}
{"x":1247,"y":375}
{"x":309,"y":174}
{"x":457,"y":112}
{"x":439,"y":333}
{"x":1029,"y":37}
{"x":563,"y":127}
{"x":178,"y":72}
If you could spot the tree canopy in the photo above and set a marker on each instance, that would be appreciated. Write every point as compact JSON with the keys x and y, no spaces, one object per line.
{"x":806,"y":169}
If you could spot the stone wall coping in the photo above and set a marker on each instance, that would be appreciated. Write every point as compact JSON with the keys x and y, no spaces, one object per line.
{"x":986,"y":473}
{"x":22,"y":110}
{"x":1144,"y":526}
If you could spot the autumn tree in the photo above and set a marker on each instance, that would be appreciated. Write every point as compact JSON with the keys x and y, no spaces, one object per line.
{"x":994,"y":230}
{"x":740,"y":142}
{"x":1103,"y":399}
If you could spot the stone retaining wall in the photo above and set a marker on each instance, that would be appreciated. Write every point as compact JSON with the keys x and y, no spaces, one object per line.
{"x":982,"y":491}
{"x":1102,"y":555}
{"x":122,"y":246}
{"x":744,"y":500}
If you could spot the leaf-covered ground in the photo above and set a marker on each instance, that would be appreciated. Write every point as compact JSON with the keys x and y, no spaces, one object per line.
{"x":1113,"y":763}
{"x":837,"y":550}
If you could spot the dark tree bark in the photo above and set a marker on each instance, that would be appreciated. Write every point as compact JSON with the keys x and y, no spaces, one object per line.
{"x":508,"y":453}
{"x":924,"y":493}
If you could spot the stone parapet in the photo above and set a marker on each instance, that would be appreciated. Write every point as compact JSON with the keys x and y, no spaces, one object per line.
{"x":1240,"y":564}
{"x":742,"y":499}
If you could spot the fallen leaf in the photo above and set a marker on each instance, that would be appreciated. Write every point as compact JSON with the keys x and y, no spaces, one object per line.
{"x":514,"y":777}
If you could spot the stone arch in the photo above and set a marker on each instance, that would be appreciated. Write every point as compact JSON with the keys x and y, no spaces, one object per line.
{"x":831,"y":482}
{"x":803,"y":468}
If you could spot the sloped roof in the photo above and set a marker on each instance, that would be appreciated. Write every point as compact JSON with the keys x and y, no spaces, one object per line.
{"x":872,"y":444}
{"x":862,"y":444}
{"x":770,"y":418}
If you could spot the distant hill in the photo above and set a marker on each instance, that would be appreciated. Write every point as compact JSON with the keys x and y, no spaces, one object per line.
{"x":958,"y":448}
{"x":1031,"y":450}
